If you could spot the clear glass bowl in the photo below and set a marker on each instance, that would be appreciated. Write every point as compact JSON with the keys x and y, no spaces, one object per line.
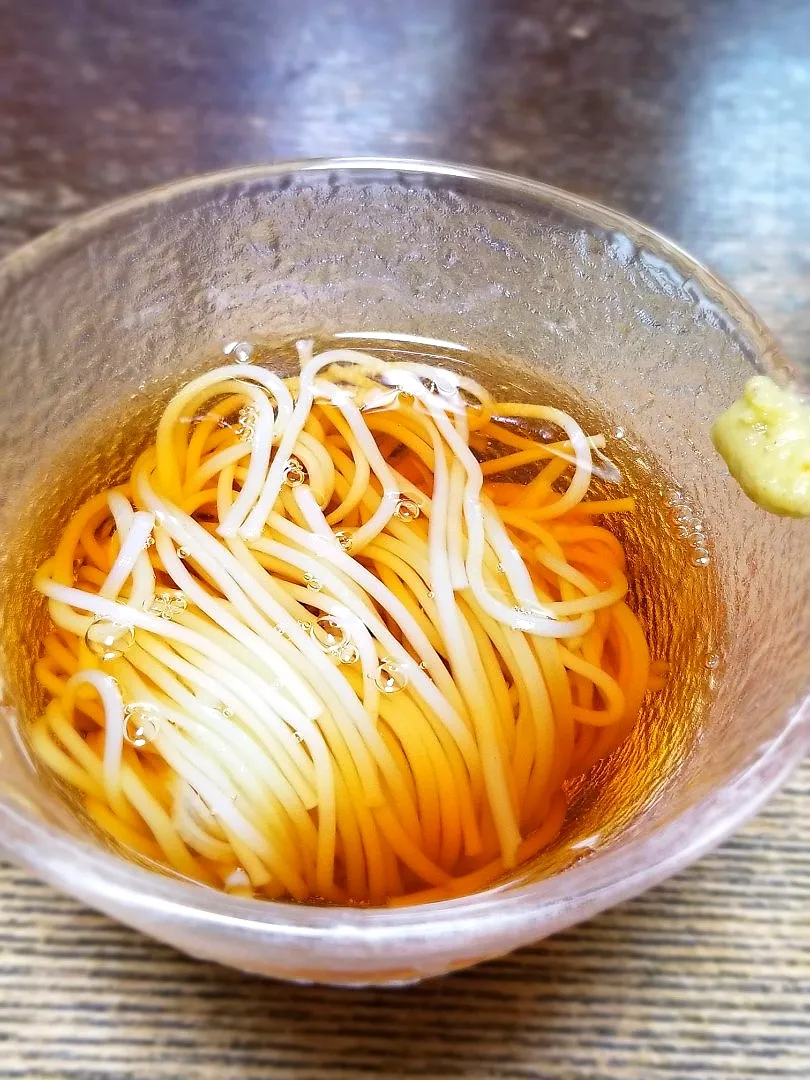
{"x":134,"y":293}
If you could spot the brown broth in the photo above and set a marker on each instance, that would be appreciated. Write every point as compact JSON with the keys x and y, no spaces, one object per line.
{"x":674,"y":590}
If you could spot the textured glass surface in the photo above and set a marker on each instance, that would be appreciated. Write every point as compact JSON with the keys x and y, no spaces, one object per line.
{"x":136,"y":294}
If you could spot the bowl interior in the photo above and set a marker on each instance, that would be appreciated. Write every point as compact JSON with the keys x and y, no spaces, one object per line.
{"x":547,"y":288}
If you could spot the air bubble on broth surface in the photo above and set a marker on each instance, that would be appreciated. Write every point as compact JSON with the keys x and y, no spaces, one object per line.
{"x":391,"y":677}
{"x":330,"y":634}
{"x":324,"y":609}
{"x":141,"y":724}
{"x":108,"y":639}
{"x":407,"y":509}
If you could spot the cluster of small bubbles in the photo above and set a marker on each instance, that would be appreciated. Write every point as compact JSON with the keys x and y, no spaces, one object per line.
{"x":241,"y":351}
{"x":305,"y":625}
{"x":712,"y":660}
{"x":168,"y":604}
{"x":108,"y":639}
{"x":149,"y":542}
{"x":141,"y":725}
{"x":246,"y":423}
{"x":689,"y":527}
{"x":349,"y":654}
{"x":343,"y":539}
{"x":299,"y":737}
{"x":618,"y":433}
{"x":391,"y":677}
{"x":329,"y":633}
{"x":407,"y":509}
{"x":294,"y":473}
{"x":312,"y":582}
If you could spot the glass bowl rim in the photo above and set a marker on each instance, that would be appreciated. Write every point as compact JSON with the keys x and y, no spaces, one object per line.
{"x":110,"y":879}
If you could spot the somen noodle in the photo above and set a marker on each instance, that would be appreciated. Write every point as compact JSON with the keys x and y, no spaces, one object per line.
{"x":328,"y":643}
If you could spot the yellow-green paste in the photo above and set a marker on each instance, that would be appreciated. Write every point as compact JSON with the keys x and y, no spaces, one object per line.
{"x":764,"y":439}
